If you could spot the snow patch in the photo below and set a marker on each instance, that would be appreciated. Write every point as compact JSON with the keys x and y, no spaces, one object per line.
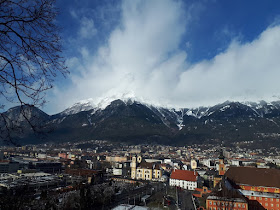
{"x":225,"y":107}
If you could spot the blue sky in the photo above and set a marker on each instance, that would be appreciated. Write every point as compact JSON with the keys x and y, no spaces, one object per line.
{"x":170,"y":53}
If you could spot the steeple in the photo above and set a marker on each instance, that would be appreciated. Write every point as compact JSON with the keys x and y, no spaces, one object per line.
{"x":221,"y":156}
{"x":221,"y":163}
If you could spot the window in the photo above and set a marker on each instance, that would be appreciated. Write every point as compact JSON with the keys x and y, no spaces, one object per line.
{"x":277,"y":200}
{"x":266,"y":204}
{"x":265,"y":199}
{"x":210,"y":202}
{"x":272,"y":205}
{"x":271,"y":199}
{"x":260,"y":198}
{"x":243,"y":206}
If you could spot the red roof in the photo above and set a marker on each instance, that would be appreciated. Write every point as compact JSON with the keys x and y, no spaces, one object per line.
{"x":184,"y":175}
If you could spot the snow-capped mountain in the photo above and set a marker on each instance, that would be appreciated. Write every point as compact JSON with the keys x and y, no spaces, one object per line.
{"x":132,"y":120}
{"x":80,"y":106}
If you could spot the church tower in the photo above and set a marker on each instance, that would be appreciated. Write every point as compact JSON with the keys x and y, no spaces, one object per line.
{"x":133,"y":167}
{"x":222,"y":163}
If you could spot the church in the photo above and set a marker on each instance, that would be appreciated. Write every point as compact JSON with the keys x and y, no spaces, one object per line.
{"x":142,"y":170}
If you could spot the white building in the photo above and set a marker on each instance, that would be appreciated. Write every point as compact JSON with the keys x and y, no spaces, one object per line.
{"x":184,"y":179}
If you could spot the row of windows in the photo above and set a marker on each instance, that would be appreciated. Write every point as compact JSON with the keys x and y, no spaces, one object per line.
{"x":173,"y":181}
{"x":181,"y":184}
{"x":140,"y":175}
{"x":227,"y":204}
{"x":157,"y":172}
{"x":265,"y":189}
{"x":260,"y":198}
{"x":147,"y":171}
{"x":147,"y":176}
{"x":272,"y":205}
{"x":214,"y":208}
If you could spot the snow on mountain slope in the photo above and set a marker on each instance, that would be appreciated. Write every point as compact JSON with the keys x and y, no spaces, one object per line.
{"x":172,"y":117}
{"x":84,"y":105}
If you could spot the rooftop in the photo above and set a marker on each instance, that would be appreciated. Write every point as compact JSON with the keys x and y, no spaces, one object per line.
{"x":254,"y":176}
{"x":184,"y":175}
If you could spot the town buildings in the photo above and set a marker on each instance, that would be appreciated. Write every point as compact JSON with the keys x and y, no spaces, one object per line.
{"x":196,"y":168}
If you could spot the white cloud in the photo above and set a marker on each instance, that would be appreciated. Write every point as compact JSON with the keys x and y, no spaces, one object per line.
{"x":87,"y":28}
{"x":243,"y":72}
{"x":73,"y":13}
{"x":143,"y":57}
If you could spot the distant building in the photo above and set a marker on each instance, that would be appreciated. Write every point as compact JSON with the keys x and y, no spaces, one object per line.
{"x":47,"y":167}
{"x":117,"y":171}
{"x":62,"y":155}
{"x":135,"y":151}
{"x":184,"y":179}
{"x":7,"y":166}
{"x":1,"y":155}
{"x":116,"y":159}
{"x":41,"y":155}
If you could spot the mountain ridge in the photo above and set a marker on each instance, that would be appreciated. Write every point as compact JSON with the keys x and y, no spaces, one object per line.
{"x":134,"y":121}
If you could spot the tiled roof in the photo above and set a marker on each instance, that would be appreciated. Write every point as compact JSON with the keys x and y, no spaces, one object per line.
{"x":254,"y":176}
{"x":184,"y":175}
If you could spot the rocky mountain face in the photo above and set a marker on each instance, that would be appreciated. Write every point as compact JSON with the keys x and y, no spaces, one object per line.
{"x":136,"y":122}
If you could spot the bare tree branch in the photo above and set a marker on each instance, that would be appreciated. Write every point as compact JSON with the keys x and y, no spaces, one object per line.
{"x":30,"y":51}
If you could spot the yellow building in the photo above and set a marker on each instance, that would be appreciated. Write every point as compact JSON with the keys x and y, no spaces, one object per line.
{"x":193,"y":164}
{"x":143,"y":170}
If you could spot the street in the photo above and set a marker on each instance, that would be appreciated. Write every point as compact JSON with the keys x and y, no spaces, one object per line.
{"x":185,"y":201}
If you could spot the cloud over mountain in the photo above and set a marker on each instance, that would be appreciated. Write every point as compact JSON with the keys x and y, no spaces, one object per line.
{"x":143,"y":56}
